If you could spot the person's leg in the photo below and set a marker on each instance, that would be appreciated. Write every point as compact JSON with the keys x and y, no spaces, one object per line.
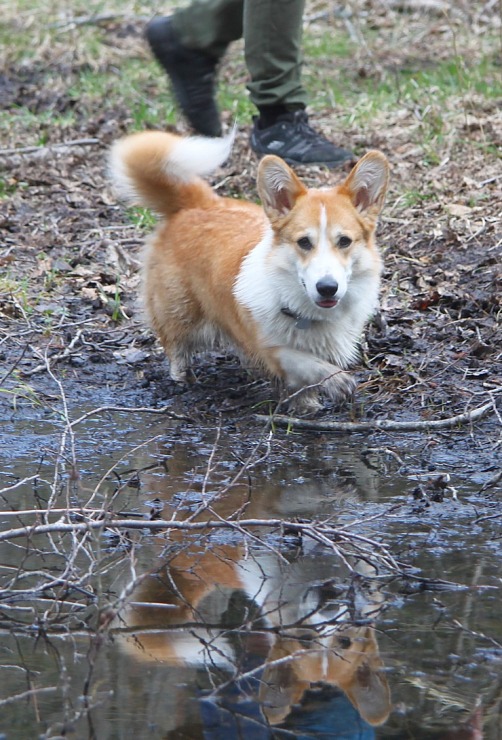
{"x":273,"y":52}
{"x":189,"y":45}
{"x":209,"y":25}
{"x":273,"y":43}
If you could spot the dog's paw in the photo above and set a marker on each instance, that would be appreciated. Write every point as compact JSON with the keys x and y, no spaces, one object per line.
{"x":186,"y":378}
{"x":180,"y":371}
{"x":305,"y":402}
{"x":177,"y":375}
{"x":339,"y":385}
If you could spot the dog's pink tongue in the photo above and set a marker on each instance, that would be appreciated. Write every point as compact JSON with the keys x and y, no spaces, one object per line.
{"x":327,"y":303}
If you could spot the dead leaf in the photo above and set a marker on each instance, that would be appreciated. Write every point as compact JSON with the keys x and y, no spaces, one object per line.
{"x":458,"y":210}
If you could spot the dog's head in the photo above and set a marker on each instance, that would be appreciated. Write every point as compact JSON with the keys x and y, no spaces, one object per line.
{"x":329,"y":234}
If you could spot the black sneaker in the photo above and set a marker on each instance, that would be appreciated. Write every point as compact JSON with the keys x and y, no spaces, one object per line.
{"x":192,"y":74}
{"x":296,"y":142}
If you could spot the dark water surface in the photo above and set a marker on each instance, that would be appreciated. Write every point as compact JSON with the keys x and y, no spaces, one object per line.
{"x":263,"y":633}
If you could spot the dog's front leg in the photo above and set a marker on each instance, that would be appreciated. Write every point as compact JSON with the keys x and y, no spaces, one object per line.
{"x":302,"y":371}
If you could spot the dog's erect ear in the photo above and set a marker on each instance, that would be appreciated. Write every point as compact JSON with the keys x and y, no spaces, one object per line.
{"x":367,"y":184}
{"x":278,"y":187}
{"x":369,"y":692}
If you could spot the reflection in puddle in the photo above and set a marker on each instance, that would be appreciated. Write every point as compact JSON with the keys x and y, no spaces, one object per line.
{"x":287,"y":640}
{"x":266,"y":634}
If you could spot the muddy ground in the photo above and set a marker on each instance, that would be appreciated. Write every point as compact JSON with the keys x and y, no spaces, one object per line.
{"x":70,"y":255}
{"x":73,"y":340}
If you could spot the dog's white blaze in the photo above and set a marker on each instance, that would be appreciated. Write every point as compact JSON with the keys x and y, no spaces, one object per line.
{"x":324,"y":663}
{"x":324,"y":264}
{"x":323,"y":234}
{"x":251,"y":574}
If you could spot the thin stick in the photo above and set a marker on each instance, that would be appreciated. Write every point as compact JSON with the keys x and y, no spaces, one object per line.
{"x":159,"y":524}
{"x":384,"y":425}
{"x":95,"y":20}
{"x":139,"y":410}
{"x":26,"y":694}
{"x":61,"y":145}
{"x":18,"y":483}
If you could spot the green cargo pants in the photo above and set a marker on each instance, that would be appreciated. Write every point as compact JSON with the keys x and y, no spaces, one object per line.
{"x":272,"y":32}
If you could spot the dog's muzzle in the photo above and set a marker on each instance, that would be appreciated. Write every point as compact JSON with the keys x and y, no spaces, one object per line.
{"x":327,"y":288}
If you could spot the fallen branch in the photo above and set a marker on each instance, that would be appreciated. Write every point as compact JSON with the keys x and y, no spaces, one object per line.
{"x":41,"y":151}
{"x":28,"y":694}
{"x":310,"y":529}
{"x":164,"y":410}
{"x":491,"y":481}
{"x":95,"y":20}
{"x":55,"y":358}
{"x":153,"y":525}
{"x":384,"y":425}
{"x":410,"y":6}
{"x":487,"y":518}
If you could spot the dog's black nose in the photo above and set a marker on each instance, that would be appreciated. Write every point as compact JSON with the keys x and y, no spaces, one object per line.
{"x":327,"y":287}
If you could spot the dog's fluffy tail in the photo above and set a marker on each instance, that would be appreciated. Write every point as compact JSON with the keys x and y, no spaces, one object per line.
{"x":163,"y":171}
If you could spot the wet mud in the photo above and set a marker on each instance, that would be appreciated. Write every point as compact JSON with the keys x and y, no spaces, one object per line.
{"x":266,"y":581}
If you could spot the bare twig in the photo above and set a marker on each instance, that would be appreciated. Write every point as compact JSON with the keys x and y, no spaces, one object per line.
{"x":42,"y":150}
{"x":55,"y":358}
{"x":385,"y":425}
{"x":336,"y":539}
{"x":162,"y":410}
{"x":14,"y":365}
{"x":26,"y":694}
{"x":95,"y":19}
{"x":109,"y":522}
{"x":491,"y":482}
{"x":18,"y":483}
{"x":486,"y":518}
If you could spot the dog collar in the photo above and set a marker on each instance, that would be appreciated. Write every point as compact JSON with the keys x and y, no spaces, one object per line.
{"x":301,"y":322}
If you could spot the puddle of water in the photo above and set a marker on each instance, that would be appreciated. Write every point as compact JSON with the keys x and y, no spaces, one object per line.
{"x":266,"y":633}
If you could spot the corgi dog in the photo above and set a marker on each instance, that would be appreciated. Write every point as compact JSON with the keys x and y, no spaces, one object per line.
{"x":290,"y":284}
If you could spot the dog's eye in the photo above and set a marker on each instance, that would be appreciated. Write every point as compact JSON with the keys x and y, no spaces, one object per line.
{"x":305,"y":243}
{"x":344,"y":242}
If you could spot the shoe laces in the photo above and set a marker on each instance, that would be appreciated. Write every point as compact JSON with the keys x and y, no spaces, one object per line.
{"x":300,"y":121}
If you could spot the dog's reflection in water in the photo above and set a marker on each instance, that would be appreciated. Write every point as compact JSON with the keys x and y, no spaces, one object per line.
{"x":275,"y":628}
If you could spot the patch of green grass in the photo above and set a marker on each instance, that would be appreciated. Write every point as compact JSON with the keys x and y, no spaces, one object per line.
{"x":142,"y":218}
{"x":237,"y":102}
{"x":38,"y":125}
{"x":7,"y":188}
{"x":415,"y":198}
{"x":110,"y":84}
{"x":23,"y":391}
{"x":328,"y":46}
{"x":450,"y":78}
{"x":18,"y":290}
{"x":334,"y":81}
{"x":156,"y":113}
{"x":93,"y":84}
{"x":418,"y":88}
{"x":113,"y":302}
{"x":138,"y":86}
